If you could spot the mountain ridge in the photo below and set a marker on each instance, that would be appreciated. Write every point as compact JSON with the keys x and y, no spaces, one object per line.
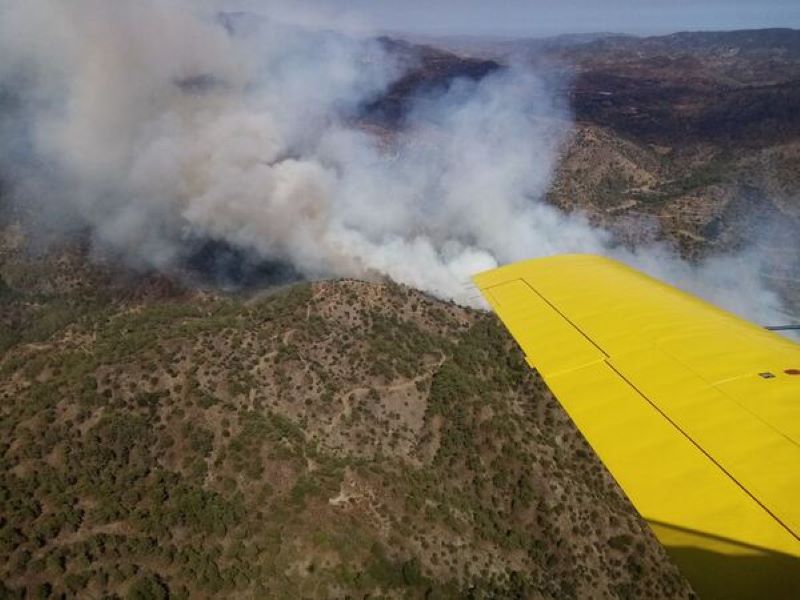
{"x":328,"y":440}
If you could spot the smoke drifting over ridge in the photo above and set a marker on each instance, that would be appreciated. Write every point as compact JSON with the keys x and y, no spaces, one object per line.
{"x":157,"y":123}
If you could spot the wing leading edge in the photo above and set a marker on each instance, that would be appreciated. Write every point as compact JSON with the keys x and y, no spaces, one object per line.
{"x":695,"y":411}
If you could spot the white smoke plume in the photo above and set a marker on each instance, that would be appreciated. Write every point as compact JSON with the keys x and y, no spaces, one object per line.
{"x":155,"y":122}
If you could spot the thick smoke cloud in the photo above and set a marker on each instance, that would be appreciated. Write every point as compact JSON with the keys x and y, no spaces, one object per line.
{"x":156,"y":123}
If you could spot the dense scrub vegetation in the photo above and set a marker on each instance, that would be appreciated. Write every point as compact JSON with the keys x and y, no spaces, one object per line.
{"x":329,"y":440}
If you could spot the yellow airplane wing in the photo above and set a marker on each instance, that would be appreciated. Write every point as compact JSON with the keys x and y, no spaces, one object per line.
{"x":695,"y":411}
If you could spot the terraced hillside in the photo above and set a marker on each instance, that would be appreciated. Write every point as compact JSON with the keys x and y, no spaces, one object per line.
{"x":328,"y":440}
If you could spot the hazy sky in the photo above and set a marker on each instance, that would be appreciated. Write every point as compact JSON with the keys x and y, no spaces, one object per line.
{"x":514,"y":17}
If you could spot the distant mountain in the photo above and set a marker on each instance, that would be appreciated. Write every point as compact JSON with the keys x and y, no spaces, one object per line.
{"x":502,"y":47}
{"x":697,"y":133}
{"x":748,"y":41}
{"x":692,"y":138}
{"x":428,"y":70}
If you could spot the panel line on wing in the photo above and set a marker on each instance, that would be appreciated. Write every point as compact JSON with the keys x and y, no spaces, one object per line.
{"x":701,"y":449}
{"x":727,"y":395}
{"x":563,"y":316}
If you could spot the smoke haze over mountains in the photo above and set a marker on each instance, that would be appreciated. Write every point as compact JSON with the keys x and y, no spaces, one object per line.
{"x":158,"y":124}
